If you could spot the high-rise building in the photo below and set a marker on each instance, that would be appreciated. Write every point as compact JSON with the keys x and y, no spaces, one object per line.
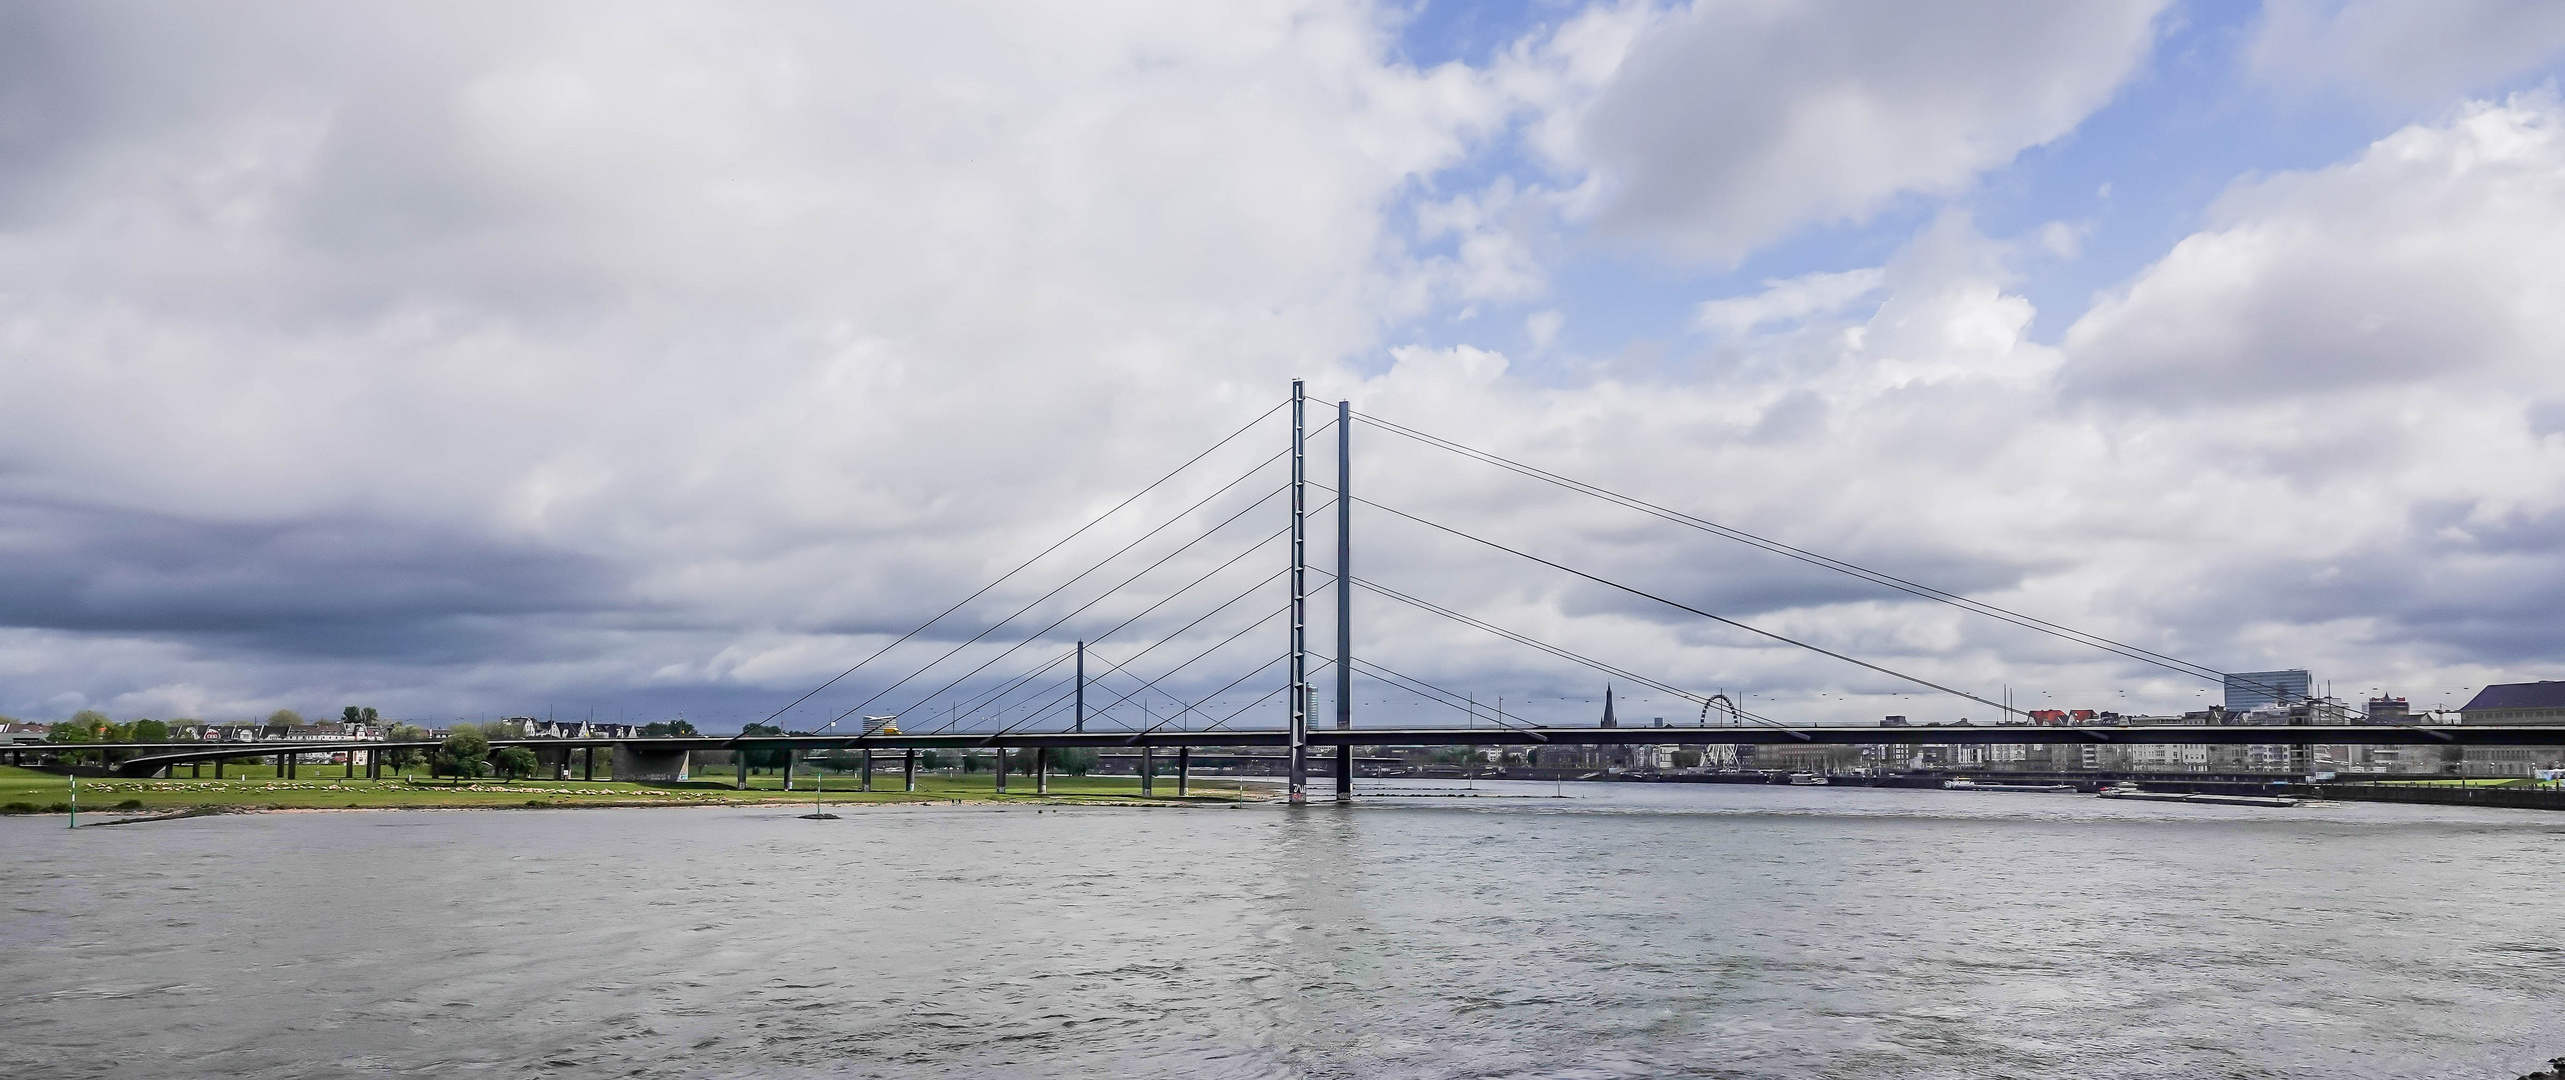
{"x":2249,"y":690}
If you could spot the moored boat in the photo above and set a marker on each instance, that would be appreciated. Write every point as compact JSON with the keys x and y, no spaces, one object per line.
{"x":2132,"y":791}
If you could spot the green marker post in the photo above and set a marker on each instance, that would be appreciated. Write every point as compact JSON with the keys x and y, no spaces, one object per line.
{"x":75,"y":800}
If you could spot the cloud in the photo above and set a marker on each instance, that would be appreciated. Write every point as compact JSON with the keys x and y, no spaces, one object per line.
{"x":2318,"y":433}
{"x":1796,"y":298}
{"x":2405,"y":51}
{"x":2429,"y":258}
{"x":701,"y":325}
{"x":1726,"y":126}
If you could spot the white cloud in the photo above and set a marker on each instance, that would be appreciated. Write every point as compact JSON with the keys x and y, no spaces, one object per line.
{"x":2319,"y":432}
{"x":1795,"y":298}
{"x":1725,"y":126}
{"x":2433,"y":257}
{"x":2411,"y":51}
{"x":1543,"y":327}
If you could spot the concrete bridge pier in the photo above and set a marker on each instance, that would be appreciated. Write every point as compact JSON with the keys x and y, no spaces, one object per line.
{"x":1184,"y":771}
{"x":789,"y":756}
{"x":588,"y":762}
{"x":218,"y":768}
{"x":1001,"y":771}
{"x":908,"y":769}
{"x":555,"y":760}
{"x":1042,"y":770}
{"x":1148,"y":771}
{"x":867,"y":771}
{"x":648,"y":763}
{"x":740,"y":759}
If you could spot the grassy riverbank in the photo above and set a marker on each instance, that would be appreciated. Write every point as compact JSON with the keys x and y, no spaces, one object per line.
{"x":27,"y":790}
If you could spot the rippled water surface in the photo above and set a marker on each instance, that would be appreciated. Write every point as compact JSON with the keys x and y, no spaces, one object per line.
{"x":1623,"y":930}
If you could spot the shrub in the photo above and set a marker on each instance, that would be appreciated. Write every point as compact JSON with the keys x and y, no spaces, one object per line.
{"x":18,"y":808}
{"x":130,"y":804}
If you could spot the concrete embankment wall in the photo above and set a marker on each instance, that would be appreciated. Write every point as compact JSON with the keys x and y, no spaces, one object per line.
{"x":2517,"y":798}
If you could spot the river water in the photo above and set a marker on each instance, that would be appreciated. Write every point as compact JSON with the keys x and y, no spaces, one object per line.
{"x":1622,"y":930}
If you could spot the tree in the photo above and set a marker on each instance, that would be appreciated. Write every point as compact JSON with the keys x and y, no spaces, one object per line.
{"x":408,"y":756}
{"x":149,"y":731}
{"x":351,"y":715}
{"x":930,"y":759}
{"x":285,"y":718}
{"x":668,"y":728}
{"x":465,"y":753}
{"x":85,"y":726}
{"x":515,"y":762}
{"x":763,"y":757}
{"x":1073,"y":760}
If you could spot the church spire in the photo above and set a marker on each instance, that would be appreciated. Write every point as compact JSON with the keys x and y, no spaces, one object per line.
{"x":1608,"y":721}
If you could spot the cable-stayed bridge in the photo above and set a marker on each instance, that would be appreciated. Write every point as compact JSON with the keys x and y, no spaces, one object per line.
{"x":1128,"y":651}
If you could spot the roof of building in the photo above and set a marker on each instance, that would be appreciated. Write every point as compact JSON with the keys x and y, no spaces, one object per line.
{"x":2519,"y":695}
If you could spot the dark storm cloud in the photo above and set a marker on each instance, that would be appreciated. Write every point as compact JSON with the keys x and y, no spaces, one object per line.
{"x":338,"y":587}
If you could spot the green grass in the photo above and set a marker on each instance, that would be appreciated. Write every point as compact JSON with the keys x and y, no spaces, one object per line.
{"x":323,"y":787}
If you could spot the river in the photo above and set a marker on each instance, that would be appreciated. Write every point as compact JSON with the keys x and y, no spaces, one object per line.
{"x":1495,"y":931}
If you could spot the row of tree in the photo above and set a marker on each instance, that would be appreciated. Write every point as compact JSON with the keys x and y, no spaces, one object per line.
{"x":466,"y":754}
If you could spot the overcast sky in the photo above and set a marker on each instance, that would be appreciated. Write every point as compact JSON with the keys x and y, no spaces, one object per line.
{"x":475,"y":359}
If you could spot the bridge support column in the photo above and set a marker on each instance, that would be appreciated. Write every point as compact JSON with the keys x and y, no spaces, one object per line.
{"x":588,"y":762}
{"x":908,"y":769}
{"x":740,"y":758}
{"x":1184,"y":771}
{"x":1042,"y":770}
{"x":351,"y":764}
{"x":867,"y":769}
{"x":218,"y":768}
{"x":788,"y":768}
{"x":1148,"y":771}
{"x":1001,"y":770}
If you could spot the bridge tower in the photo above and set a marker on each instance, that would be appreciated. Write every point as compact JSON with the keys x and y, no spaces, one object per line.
{"x":1299,"y":660}
{"x":1344,"y":597}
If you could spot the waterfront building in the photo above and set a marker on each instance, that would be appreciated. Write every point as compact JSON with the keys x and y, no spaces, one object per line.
{"x":2514,"y":704}
{"x":2250,"y":690}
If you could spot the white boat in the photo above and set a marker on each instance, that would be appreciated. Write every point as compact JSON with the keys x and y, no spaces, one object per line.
{"x":2132,"y":791}
{"x":1972,"y":785}
{"x":1801,"y":779}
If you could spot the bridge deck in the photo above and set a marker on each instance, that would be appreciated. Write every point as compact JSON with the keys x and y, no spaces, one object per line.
{"x":152,"y":756}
